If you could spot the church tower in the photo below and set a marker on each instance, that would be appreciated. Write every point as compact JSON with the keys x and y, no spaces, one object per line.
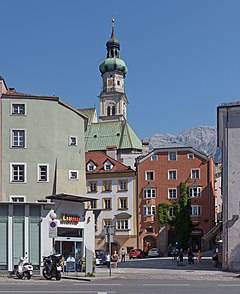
{"x":113,"y":100}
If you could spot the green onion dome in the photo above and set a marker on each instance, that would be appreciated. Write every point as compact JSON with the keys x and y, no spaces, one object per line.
{"x":112,"y":64}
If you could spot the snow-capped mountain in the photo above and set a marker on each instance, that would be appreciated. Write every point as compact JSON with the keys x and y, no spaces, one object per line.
{"x":202,"y":138}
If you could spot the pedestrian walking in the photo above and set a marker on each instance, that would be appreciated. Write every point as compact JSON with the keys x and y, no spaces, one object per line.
{"x":115,"y":258}
{"x":199,"y":256}
{"x":123,"y":255}
{"x":190,"y":256}
{"x":108,"y":259}
{"x":181,"y":256}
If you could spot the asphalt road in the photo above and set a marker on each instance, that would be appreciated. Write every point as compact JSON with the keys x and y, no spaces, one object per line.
{"x":148,"y":276}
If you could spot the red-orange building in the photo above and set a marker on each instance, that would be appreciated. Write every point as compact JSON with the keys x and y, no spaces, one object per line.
{"x":159,"y":174}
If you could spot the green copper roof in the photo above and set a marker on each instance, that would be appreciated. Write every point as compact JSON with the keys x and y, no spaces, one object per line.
{"x":112,"y":64}
{"x":117,"y":133}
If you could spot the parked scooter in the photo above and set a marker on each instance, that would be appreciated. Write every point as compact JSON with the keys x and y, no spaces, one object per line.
{"x":24,"y":268}
{"x":52,"y":267}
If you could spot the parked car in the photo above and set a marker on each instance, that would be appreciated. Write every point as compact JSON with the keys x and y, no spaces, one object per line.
{"x":155,"y":252}
{"x":100,"y":256}
{"x":136,"y":253}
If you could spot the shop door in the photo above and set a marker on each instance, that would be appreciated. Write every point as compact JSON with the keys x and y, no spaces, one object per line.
{"x":68,"y":249}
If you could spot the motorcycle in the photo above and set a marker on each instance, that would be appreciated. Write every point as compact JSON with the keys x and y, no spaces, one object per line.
{"x":24,"y":268}
{"x":52,"y":266}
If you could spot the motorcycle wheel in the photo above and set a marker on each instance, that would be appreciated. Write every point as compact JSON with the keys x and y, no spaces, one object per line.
{"x":19,"y":276}
{"x":27,"y":275}
{"x":46,"y":275}
{"x":58,"y":276}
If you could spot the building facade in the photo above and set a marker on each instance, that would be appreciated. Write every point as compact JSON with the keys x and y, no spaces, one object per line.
{"x":42,"y":154}
{"x":229,"y":140}
{"x":159,"y":175}
{"x":114,"y":185}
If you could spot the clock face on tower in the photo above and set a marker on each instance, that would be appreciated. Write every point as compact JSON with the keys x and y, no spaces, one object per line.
{"x":110,"y":82}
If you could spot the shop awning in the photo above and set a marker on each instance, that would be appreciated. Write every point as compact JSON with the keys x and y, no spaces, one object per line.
{"x":213,"y":232}
{"x":70,"y":197}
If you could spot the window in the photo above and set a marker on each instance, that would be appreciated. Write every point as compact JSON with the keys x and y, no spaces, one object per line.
{"x":149,"y":193}
{"x":123,"y":185}
{"x":123,"y":203}
{"x":91,"y":166}
{"x":118,"y":82}
{"x":149,"y":230}
{"x":172,"y":155}
{"x":93,"y":204}
{"x":154,"y":158}
{"x":17,"y":172}
{"x":171,"y":212}
{"x":17,"y":198}
{"x":149,"y":210}
{"x":92,"y":187}
{"x":108,"y":165}
{"x":73,"y":175}
{"x":107,"y":186}
{"x":18,"y":108}
{"x":194,"y":192}
{"x":42,"y":173}
{"x":107,"y":222}
{"x":172,"y":174}
{"x":18,"y":138}
{"x":172,"y":193}
{"x":107,"y":203}
{"x":195,"y":210}
{"x":195,"y":174}
{"x":122,"y":224}
{"x":149,"y":175}
{"x":190,"y":156}
{"x":72,"y":141}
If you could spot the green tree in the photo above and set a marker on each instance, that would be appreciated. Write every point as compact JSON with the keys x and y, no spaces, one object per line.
{"x":182,"y":222}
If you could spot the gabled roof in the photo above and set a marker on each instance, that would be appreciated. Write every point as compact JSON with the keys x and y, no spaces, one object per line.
{"x":173,"y":147}
{"x":99,"y":158}
{"x":90,"y":113}
{"x":113,"y":133}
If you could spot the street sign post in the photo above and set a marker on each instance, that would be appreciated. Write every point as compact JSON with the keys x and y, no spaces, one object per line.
{"x":52,"y":229}
{"x":109,"y":233}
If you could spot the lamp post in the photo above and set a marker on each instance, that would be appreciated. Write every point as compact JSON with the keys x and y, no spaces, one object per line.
{"x":109,"y":232}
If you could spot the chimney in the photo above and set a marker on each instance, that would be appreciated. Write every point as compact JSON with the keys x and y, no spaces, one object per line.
{"x":112,"y":151}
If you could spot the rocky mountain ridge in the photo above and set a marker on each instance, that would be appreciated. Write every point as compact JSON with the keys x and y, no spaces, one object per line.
{"x":201,"y":138}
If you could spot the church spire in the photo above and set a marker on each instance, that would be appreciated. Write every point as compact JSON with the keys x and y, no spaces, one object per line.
{"x":113,"y":46}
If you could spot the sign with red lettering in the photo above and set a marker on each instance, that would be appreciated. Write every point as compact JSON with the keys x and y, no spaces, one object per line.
{"x":66,"y":218}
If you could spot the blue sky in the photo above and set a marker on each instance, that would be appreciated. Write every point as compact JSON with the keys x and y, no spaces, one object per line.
{"x":183,"y":56}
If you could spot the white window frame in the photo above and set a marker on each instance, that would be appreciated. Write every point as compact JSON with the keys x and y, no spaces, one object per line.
{"x":170,"y":194}
{"x":39,"y":165}
{"x":190,"y":156}
{"x":197,"y":209}
{"x":149,"y":210}
{"x":70,"y":141}
{"x":18,"y":103}
{"x":92,"y":184}
{"x":154,"y":157}
{"x":149,"y":193}
{"x":192,"y":191}
{"x":11,"y":172}
{"x":12,"y":138}
{"x":122,"y":200}
{"x":104,"y":202}
{"x":170,"y":153}
{"x":122,"y":185}
{"x":91,"y":166}
{"x":108,"y":165}
{"x":122,"y":224}
{"x":13,"y":198}
{"x":71,"y":171}
{"x":146,"y":175}
{"x":172,"y":172}
{"x":194,"y":170}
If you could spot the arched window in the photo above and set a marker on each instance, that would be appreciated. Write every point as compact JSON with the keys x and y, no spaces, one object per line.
{"x":113,"y":110}
{"x":109,"y":110}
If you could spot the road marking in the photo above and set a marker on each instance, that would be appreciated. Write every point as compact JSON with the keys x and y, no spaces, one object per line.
{"x":228,"y":285}
{"x":167,"y":285}
{"x":54,"y":291}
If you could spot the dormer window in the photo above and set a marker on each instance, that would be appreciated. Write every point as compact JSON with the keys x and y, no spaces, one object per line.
{"x":108,"y":165}
{"x":91,"y":166}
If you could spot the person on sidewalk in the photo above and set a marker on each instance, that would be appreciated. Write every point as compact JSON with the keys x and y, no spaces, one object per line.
{"x":115,"y":258}
{"x":123,"y":255}
{"x":199,"y":257}
{"x":108,"y":259}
